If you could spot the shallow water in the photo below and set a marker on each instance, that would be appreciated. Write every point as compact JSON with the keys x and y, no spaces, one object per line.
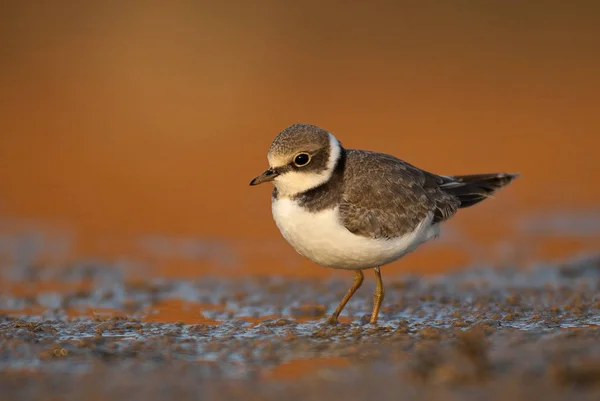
{"x":524,"y":329}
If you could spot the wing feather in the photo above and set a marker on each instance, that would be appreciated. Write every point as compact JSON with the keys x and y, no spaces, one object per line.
{"x":392,"y":198}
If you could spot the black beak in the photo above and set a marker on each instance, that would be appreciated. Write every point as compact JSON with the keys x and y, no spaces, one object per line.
{"x":267,"y":176}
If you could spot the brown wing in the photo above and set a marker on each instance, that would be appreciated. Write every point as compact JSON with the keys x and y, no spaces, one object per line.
{"x":385,"y":197}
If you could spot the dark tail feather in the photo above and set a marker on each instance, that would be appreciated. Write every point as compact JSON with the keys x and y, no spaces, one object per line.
{"x":472,"y":189}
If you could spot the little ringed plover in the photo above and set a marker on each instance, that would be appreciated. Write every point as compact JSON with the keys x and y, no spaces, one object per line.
{"x":357,"y":209}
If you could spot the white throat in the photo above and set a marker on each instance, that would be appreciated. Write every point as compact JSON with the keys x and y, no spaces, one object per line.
{"x":293,"y":183}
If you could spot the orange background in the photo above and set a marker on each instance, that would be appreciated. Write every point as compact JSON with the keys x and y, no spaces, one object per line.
{"x":123,"y":120}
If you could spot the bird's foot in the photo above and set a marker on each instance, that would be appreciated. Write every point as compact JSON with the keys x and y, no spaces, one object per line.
{"x":368,"y":319}
{"x":332,"y":320}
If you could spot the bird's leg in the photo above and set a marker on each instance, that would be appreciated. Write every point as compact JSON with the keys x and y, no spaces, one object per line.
{"x":377,"y":297}
{"x":358,"y":280}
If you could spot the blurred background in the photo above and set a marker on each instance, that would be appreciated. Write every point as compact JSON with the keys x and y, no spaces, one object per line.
{"x":129,"y":131}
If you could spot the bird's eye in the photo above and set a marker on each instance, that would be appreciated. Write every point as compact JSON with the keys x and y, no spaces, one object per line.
{"x":302,"y":159}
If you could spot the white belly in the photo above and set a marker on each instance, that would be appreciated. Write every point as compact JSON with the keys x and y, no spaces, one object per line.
{"x":321,"y":238}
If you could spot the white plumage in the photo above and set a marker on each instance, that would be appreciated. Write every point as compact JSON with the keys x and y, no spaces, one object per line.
{"x":322,"y":238}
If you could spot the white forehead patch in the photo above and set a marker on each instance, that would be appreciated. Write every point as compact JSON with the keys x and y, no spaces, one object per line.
{"x":295,"y":182}
{"x":277,"y":161}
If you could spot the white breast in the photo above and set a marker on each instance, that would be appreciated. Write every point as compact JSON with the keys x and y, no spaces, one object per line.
{"x":321,"y":238}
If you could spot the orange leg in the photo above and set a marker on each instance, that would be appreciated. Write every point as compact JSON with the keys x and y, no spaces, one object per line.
{"x":377,"y":297}
{"x":358,"y":280}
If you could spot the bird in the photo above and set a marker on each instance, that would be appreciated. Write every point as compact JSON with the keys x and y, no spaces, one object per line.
{"x":358,"y":209}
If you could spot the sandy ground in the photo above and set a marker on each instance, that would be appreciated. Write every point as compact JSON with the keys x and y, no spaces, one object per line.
{"x":500,"y":334}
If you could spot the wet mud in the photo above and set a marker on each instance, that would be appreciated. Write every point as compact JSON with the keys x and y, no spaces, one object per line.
{"x":482,"y":333}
